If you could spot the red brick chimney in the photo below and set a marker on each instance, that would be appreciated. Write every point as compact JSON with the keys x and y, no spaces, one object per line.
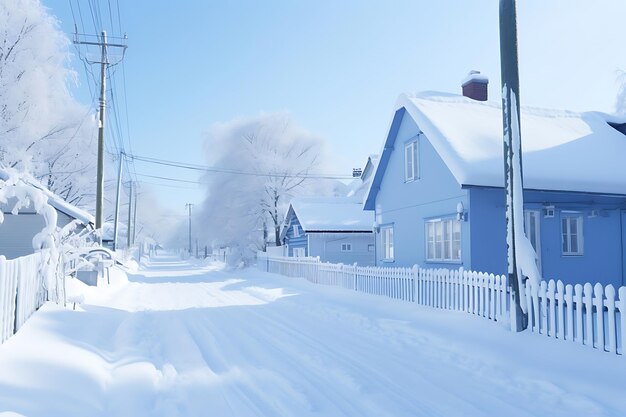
{"x":475,"y":86}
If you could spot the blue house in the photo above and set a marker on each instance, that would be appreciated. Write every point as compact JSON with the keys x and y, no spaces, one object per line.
{"x":334,"y":228}
{"x":439,"y":200}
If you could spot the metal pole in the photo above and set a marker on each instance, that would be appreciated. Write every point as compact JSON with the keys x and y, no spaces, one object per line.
{"x":117,"y":203}
{"x":100,"y":175}
{"x":513,"y":175}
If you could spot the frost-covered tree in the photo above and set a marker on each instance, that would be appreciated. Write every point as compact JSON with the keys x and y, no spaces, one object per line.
{"x":263,"y":162}
{"x":620,"y":102}
{"x":43,"y":129}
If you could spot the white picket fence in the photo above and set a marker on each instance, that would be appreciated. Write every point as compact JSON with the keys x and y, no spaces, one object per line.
{"x":585,"y":314}
{"x":555,"y":310}
{"x":476,"y":293}
{"x":22,"y":291}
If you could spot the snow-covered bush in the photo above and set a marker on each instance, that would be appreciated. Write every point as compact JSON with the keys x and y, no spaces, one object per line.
{"x":57,"y":244}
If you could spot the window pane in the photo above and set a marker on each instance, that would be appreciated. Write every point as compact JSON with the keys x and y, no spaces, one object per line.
{"x":430,"y":231}
{"x":564,"y":237}
{"x":456,"y":241}
{"x":415,"y":161}
{"x":408,"y":162}
{"x":447,"y":234}
{"x":390,"y":243}
{"x":438,"y":240}
{"x":383,"y":238}
{"x":573,"y":225}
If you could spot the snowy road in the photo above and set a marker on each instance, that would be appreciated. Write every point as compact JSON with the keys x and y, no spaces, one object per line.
{"x":184,"y":340}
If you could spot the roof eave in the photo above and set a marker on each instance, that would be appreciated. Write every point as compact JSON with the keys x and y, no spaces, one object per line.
{"x":385,"y":155}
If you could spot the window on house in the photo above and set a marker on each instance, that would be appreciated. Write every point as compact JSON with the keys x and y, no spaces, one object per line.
{"x":346,"y":247}
{"x":572,"y":234}
{"x":411,"y":162}
{"x":299,"y":252}
{"x":532,"y":229}
{"x":443,"y":240}
{"x":296,"y":231}
{"x":387,"y":242}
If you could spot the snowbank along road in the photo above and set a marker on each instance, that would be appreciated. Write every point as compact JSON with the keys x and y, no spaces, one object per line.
{"x":179,"y":339}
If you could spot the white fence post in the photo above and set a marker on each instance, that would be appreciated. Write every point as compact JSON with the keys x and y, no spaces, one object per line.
{"x":569,"y":316}
{"x":621,"y":304}
{"x":598,"y":302}
{"x":610,"y":305}
{"x":587,"y":299}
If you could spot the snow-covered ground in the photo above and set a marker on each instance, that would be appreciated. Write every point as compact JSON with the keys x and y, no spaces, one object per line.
{"x":186,"y":340}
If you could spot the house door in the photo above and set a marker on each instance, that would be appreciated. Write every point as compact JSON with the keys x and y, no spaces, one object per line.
{"x":533,"y":232}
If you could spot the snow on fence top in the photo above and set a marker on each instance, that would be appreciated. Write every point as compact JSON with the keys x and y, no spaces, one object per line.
{"x":563,"y":151}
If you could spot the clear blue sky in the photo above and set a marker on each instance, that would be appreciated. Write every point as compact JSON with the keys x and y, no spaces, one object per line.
{"x":338,"y":66}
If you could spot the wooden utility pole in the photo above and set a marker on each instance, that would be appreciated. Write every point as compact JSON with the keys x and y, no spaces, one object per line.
{"x":130,"y":205}
{"x":135,"y":217}
{"x":104,"y":63}
{"x":189,"y":206}
{"x":513,"y":174}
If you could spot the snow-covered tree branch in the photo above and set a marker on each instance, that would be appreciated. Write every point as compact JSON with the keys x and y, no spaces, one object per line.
{"x":43,"y":129}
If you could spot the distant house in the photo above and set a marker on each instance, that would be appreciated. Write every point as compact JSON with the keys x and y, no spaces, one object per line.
{"x":439,"y":200}
{"x":334,"y":228}
{"x":17,"y":231}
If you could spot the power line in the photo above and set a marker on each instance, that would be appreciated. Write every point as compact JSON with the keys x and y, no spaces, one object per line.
{"x":171,"y":179}
{"x":203,"y":168}
{"x":178,"y":187}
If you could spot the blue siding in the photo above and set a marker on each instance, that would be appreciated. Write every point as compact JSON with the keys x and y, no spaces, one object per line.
{"x":328,"y":247}
{"x":602,"y":235}
{"x":296,"y":242}
{"x":406,"y":205}
{"x":488,"y":230}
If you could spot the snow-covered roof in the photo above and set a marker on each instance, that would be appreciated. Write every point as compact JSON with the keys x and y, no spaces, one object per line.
{"x":53,"y":199}
{"x":562,"y":150}
{"x":331,"y":214}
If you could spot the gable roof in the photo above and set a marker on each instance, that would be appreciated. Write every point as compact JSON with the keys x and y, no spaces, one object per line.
{"x":562,"y":150}
{"x":330,"y":214}
{"x":54,"y":200}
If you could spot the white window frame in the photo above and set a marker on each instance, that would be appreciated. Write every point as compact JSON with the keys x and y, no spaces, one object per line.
{"x":387,"y":243}
{"x":411,"y":161}
{"x":441,"y":243}
{"x":296,"y":231}
{"x":567,"y":219}
{"x":346,"y":247}
{"x":536,"y":243}
{"x":299,"y":252}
